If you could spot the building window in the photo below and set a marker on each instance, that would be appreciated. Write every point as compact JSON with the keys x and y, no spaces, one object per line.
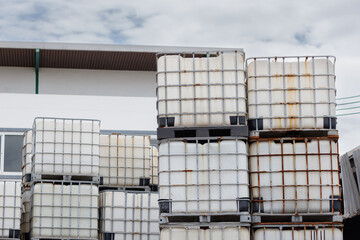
{"x":11,"y":153}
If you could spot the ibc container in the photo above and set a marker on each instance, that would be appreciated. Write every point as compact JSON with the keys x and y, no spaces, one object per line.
{"x":200,"y":176}
{"x":287,"y":93}
{"x":129,"y":215}
{"x":125,"y":160}
{"x":201,"y":89}
{"x":317,"y":231}
{"x":220,"y":231}
{"x":65,"y":147}
{"x":154,"y":175}
{"x":25,"y":215}
{"x":295,"y":176}
{"x":62,"y":209}
{"x":10,"y":208}
{"x":26,"y":157}
{"x":350,"y":178}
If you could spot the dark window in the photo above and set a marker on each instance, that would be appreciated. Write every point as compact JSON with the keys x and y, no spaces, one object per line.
{"x":12,"y":153}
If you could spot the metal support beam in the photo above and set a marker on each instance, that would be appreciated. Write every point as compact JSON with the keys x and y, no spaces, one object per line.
{"x":37,"y":61}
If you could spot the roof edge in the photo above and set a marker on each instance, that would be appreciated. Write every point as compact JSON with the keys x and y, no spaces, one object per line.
{"x":107,"y":47}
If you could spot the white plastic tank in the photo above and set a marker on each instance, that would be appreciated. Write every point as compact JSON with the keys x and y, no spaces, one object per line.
{"x":350,"y":171}
{"x":129,"y":215}
{"x":65,"y":147}
{"x":125,"y":160}
{"x":291,"y":93}
{"x":202,"y":176}
{"x":298,"y":233}
{"x":203,"y":89}
{"x":231,"y":232}
{"x":154,"y":175}
{"x":290,"y":176}
{"x":26,"y":157}
{"x":64,"y":210}
{"x":25,"y":215}
{"x":10,"y":208}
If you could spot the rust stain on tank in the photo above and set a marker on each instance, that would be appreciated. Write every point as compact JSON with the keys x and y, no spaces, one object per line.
{"x":308,"y":75}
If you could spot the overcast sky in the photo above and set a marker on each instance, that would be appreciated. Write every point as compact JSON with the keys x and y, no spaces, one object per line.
{"x":262,"y":28}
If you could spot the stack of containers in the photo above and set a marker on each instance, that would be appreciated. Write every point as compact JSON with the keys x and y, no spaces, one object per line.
{"x":61,"y":199}
{"x":10,"y":208}
{"x":293,"y":148}
{"x":128,"y":191}
{"x":25,"y":186}
{"x":203,"y":156}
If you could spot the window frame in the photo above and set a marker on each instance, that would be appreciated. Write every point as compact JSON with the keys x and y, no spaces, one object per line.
{"x":2,"y":151}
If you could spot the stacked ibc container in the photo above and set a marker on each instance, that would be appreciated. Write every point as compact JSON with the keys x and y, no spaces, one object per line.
{"x":60,"y":193}
{"x":128,"y":190}
{"x":293,"y":148}
{"x":10,"y":208}
{"x":202,"y":139}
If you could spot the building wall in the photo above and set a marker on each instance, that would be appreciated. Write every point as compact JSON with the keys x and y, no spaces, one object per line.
{"x":97,"y":82}
{"x":78,"y":82}
{"x":115,"y":113}
{"x":17,"y":80}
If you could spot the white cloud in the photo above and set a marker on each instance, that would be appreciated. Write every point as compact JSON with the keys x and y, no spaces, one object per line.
{"x":262,"y":28}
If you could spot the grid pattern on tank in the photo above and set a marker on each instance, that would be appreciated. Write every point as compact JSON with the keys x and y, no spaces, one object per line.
{"x":291,"y":93}
{"x":65,"y":147}
{"x":126,"y":214}
{"x":201,"y":89}
{"x":210,"y":231}
{"x":295,"y":176}
{"x":203,"y":176}
{"x":295,"y":231}
{"x":125,"y":160}
{"x":64,"y":210}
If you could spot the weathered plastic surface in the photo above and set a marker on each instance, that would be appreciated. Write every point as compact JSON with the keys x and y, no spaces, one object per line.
{"x":213,"y":232}
{"x":66,"y":147}
{"x":26,"y":210}
{"x":295,"y":176}
{"x":203,"y":177}
{"x":129,"y":215}
{"x":64,"y":211}
{"x":10,"y":206}
{"x":298,"y":234}
{"x":201,"y":91}
{"x":124,"y":159}
{"x":26,"y":155}
{"x":288,"y":93}
{"x":154,"y":175}
{"x":350,"y":183}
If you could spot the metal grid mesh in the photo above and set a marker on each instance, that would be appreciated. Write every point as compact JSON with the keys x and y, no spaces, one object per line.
{"x":124,"y":160}
{"x":291,"y":92}
{"x":25,"y":215}
{"x":65,"y":146}
{"x":61,"y":209}
{"x":10,"y":207}
{"x":129,"y":215}
{"x":154,"y":175}
{"x":26,"y":155}
{"x":206,"y":232}
{"x":295,"y":175}
{"x":201,"y":88}
{"x":312,"y":231}
{"x":203,"y":175}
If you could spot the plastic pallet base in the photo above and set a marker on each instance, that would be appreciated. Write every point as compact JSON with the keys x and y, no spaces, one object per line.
{"x":216,"y":131}
{"x":40,"y":177}
{"x":297,"y":218}
{"x":292,"y":133}
{"x":211,"y":218}
{"x":125,"y":188}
